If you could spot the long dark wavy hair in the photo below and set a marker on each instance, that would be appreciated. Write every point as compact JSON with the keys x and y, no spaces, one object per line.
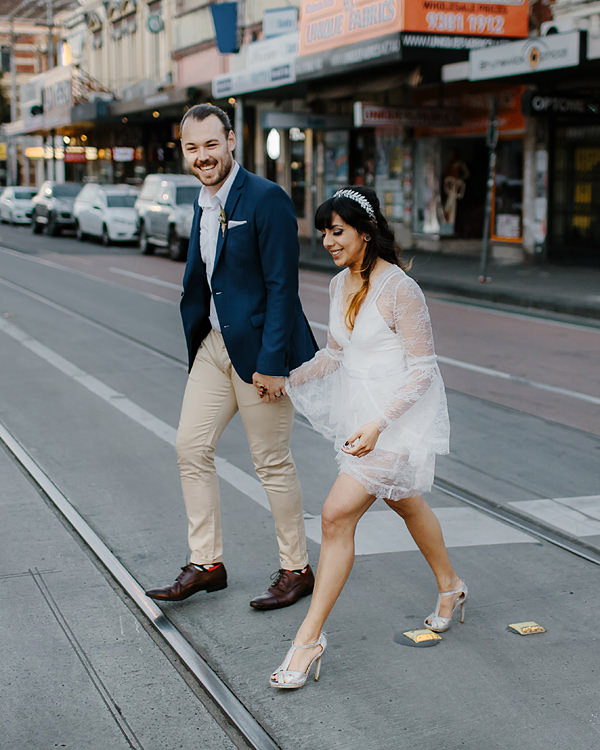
{"x":381,"y":245}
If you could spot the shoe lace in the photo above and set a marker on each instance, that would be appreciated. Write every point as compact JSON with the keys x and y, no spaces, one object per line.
{"x":277,"y":577}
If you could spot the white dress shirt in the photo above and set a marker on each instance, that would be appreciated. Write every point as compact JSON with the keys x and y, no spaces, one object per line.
{"x":210,"y":227}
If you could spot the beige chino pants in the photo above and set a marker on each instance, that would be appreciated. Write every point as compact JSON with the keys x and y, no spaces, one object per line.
{"x":213,"y":394}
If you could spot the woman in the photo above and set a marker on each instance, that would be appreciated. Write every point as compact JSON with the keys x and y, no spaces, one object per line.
{"x":377,"y":391}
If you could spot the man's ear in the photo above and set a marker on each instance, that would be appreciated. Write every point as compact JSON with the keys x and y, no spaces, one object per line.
{"x":231,"y":139}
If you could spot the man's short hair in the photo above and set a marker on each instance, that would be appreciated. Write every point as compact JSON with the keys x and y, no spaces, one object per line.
{"x":202,"y":111}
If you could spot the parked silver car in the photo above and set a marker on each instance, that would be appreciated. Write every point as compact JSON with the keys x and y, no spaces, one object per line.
{"x":16,"y":205}
{"x":53,"y":207}
{"x":107,"y":212}
{"x":165,"y":209}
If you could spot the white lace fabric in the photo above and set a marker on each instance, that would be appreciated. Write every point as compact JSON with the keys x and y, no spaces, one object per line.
{"x":384,"y":371}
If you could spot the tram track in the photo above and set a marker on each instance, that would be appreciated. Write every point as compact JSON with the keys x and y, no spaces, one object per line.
{"x":223,"y":697}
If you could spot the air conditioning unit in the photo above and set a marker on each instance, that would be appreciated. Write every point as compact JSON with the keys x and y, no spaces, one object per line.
{"x":564,"y":25}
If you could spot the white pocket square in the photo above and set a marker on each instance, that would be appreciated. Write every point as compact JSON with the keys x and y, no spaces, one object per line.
{"x":231,"y":224}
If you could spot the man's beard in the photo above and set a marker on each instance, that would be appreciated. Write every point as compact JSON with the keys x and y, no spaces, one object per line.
{"x":222,"y":170}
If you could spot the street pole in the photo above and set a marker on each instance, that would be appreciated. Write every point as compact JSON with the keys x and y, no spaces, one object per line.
{"x":492,"y":142}
{"x":238,"y":126}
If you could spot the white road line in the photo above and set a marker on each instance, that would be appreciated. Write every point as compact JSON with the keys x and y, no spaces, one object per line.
{"x":579,"y":516}
{"x":147,"y":279}
{"x":230,"y":473}
{"x":323,"y":327}
{"x":464,"y":526}
{"x":83,"y":274}
{"x":99,"y":326}
{"x":383,"y":531}
{"x":517,"y":379}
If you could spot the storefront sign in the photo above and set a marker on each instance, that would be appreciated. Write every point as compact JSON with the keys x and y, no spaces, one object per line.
{"x":123,"y":153}
{"x":75,"y":155}
{"x":279,"y":21}
{"x":254,"y":80}
{"x":491,"y":18}
{"x":325,"y":24}
{"x":542,"y":104}
{"x":362,"y":54}
{"x":475,"y":107}
{"x":304,"y":121}
{"x":593,"y":47}
{"x":373,"y":115}
{"x":56,"y":86}
{"x":533,"y":55}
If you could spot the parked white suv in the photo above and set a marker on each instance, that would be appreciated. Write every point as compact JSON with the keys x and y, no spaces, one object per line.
{"x":16,"y":204}
{"x":107,"y":212}
{"x":165,"y":210}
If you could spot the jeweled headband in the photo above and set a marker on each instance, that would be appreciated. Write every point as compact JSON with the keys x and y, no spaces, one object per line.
{"x":359,"y":198}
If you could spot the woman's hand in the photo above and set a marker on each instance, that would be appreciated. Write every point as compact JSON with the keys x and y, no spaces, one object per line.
{"x":362,"y":441}
{"x":269,"y":387}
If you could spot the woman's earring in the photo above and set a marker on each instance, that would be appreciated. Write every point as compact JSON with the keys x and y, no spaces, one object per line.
{"x":367,"y":238}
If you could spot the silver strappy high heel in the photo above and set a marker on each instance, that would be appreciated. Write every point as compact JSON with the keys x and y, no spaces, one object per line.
{"x":440,"y":624}
{"x":293,"y":678}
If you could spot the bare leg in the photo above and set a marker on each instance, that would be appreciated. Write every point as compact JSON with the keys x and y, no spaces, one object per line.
{"x":346,"y":503}
{"x":425,"y":529}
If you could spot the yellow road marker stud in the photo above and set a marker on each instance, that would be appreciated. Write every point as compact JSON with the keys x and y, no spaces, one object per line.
{"x":422,"y":636}
{"x":527,"y":628}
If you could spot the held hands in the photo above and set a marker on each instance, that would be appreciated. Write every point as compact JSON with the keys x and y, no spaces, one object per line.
{"x":269,"y":387}
{"x":362,"y":441}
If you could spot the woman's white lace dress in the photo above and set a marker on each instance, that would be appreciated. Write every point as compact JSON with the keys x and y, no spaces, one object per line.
{"x":383,"y":371}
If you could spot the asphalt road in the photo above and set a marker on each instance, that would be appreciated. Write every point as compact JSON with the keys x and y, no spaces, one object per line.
{"x":91,"y":382}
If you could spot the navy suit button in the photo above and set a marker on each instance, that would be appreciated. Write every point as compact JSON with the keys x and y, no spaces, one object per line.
{"x":226,"y":326}
{"x":218,"y":292}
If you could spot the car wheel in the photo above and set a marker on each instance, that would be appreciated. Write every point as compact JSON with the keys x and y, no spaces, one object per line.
{"x":146,"y":246}
{"x":79,"y":232}
{"x":105,"y":236}
{"x":177,"y":246}
{"x":51,"y":227}
{"x":35,"y":225}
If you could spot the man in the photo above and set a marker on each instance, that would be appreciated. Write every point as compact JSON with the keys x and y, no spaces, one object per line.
{"x":244,"y":327}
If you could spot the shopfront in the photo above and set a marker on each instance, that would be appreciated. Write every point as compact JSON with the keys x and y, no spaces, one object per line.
{"x":452,"y":165}
{"x":574,"y":216}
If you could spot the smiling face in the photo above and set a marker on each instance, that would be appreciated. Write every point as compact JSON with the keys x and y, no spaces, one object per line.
{"x":207,"y":151}
{"x":344,"y":243}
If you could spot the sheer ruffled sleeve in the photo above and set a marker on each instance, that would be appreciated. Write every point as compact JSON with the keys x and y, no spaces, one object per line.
{"x":403,"y":306}
{"x":310,"y":385}
{"x":325,"y":361}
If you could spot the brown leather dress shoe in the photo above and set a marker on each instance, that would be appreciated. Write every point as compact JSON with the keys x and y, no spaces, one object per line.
{"x":288,"y":586}
{"x":189,"y":581}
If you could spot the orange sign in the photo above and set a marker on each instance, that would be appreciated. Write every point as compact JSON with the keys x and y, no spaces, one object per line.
{"x":495,"y":18}
{"x":475,"y":108}
{"x":326,"y":24}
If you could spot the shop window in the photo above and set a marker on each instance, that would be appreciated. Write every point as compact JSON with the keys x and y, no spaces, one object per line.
{"x":392,"y":180}
{"x":362,"y":157}
{"x":336,"y":160}
{"x":575,"y":209}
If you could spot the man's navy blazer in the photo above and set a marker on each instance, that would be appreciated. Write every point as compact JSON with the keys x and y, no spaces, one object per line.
{"x":254,"y":282}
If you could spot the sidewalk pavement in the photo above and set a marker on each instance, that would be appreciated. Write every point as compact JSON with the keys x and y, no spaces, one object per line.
{"x":77,"y":669}
{"x":571,"y":290}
